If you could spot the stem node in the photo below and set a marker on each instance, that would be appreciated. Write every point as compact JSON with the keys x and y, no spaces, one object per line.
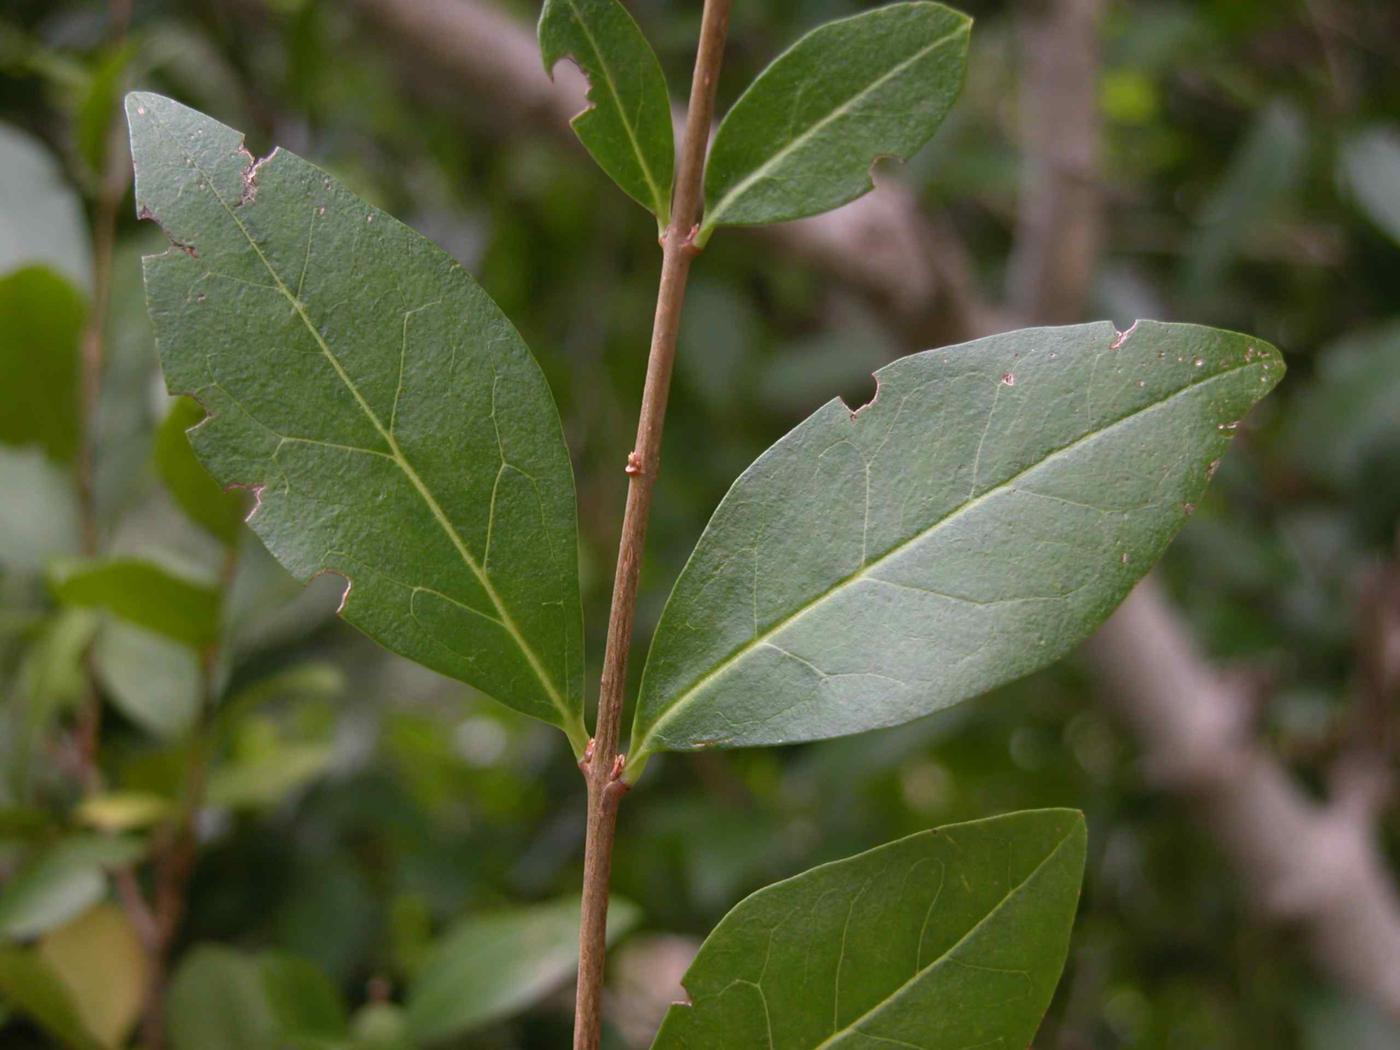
{"x":602,"y":765}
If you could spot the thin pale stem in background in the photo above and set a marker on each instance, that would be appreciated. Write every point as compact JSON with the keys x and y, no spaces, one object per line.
{"x":602,"y":765}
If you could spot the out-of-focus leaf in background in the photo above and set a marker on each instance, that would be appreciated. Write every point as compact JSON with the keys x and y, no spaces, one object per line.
{"x":44,"y":523}
{"x":61,"y":881}
{"x":1371,"y":168}
{"x":1264,"y":167}
{"x":100,"y":961}
{"x":152,"y":679}
{"x":487,"y":966}
{"x":35,"y":991}
{"x":142,"y":593}
{"x":41,"y":321}
{"x":217,"y":1001}
{"x":41,"y":219}
{"x":199,"y":495}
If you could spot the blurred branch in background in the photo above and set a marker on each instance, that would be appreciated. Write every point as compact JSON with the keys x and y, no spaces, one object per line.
{"x":1058,"y":223}
{"x":1312,"y":864}
{"x":880,"y":244}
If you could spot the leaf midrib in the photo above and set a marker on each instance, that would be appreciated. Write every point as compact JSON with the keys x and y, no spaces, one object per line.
{"x":715,"y":216}
{"x":922,"y":971}
{"x":507,"y":621}
{"x":640,"y":748}
{"x":657,"y":197}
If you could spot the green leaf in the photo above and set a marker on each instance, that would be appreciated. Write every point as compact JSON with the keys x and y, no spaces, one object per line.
{"x":141,"y":593}
{"x":97,"y":105}
{"x":381,"y":1026}
{"x":393,"y":422}
{"x":488,"y":967}
{"x":52,"y":675}
{"x":39,"y":514}
{"x":1266,"y":167}
{"x":1349,"y":407}
{"x":41,"y":323}
{"x":155,"y":682}
{"x":100,"y":961}
{"x":970,"y":525}
{"x":946,"y":940}
{"x":1371,"y":168}
{"x":33,"y":989}
{"x":48,"y":894}
{"x":308,"y":681}
{"x":804,"y":136}
{"x":59,"y":883}
{"x":218,"y":1001}
{"x":41,"y":218}
{"x":628,"y":128}
{"x":267,"y":778}
{"x":124,"y":810}
{"x":305,"y":1003}
{"x":201,"y":497}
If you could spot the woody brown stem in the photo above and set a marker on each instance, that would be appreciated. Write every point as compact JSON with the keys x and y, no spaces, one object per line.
{"x":602,"y":765}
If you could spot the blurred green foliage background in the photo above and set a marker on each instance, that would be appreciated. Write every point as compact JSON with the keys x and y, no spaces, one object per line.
{"x":361,"y":810}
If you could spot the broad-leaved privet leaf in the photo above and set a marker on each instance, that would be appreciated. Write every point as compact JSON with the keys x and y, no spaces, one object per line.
{"x":389,"y":417}
{"x":803,"y":138}
{"x":946,"y":940}
{"x":628,"y":127}
{"x":977,"y":519}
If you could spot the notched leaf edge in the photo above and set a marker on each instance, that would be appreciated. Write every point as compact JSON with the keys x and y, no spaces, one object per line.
{"x":248,"y":195}
{"x":551,"y":58}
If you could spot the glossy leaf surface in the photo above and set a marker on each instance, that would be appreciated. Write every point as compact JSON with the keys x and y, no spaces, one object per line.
{"x":393,"y":423}
{"x":803,"y":138}
{"x":628,"y":127}
{"x":946,"y":940}
{"x":989,"y":508}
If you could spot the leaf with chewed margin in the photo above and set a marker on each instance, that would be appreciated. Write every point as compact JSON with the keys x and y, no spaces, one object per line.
{"x":627,"y":129}
{"x":970,"y":525}
{"x":804,"y":136}
{"x":393,"y":423}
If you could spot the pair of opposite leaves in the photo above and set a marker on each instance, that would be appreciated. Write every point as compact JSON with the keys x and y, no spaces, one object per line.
{"x":978,"y":518}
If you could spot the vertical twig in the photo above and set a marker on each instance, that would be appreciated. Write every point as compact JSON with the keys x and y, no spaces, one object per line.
{"x":602,"y":765}
{"x":111,"y":189}
{"x":115,"y":175}
{"x":175,"y":854}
